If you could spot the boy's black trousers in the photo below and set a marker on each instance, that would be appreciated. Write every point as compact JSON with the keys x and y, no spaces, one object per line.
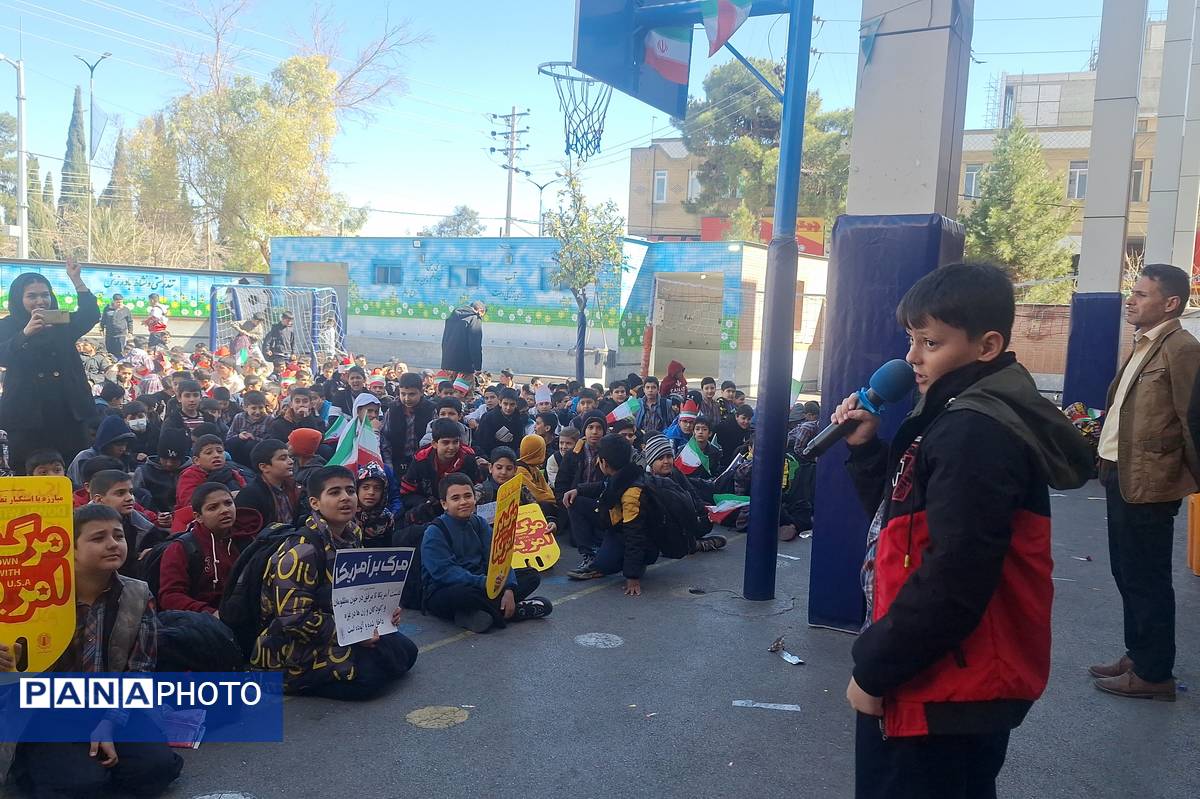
{"x":927,"y":767}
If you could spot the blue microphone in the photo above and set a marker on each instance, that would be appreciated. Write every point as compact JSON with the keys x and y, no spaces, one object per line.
{"x":891,"y":382}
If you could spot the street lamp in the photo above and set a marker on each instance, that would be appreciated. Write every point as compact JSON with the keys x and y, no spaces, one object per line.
{"x":22,"y":166}
{"x":90,"y":144}
{"x":542,"y":187}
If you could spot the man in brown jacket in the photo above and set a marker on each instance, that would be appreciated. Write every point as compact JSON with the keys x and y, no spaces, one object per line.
{"x":1148,"y":464}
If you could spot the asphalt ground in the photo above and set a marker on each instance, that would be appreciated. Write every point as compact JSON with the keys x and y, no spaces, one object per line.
{"x":531,"y":711}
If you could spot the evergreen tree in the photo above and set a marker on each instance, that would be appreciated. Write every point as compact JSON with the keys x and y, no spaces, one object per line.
{"x":118,"y":194}
{"x":1020,"y":220}
{"x":41,"y":215}
{"x":48,"y":190}
{"x":463,"y":221}
{"x":75,"y":185}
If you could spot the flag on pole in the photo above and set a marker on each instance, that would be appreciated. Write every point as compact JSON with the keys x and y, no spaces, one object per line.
{"x":347,"y":448}
{"x":721,"y":19}
{"x":726,"y":505}
{"x":669,"y":53}
{"x":368,"y":445}
{"x":691,"y":459}
{"x":337,"y":426}
{"x":626,"y":410}
{"x":99,"y":123}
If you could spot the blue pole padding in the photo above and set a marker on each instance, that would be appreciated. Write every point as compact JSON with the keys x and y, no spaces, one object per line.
{"x":1093,"y":347}
{"x":779,"y":318}
{"x":875,"y":260}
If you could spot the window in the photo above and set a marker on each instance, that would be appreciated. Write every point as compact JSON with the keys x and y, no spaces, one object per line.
{"x":388,"y":272}
{"x":971,"y":180}
{"x":660,"y":185}
{"x":693,"y":193}
{"x":1136,"y":178}
{"x":1143,"y":126}
{"x":463,"y":276}
{"x":548,"y":283}
{"x":1077,"y":180}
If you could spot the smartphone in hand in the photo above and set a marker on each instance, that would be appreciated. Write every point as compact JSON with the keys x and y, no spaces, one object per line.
{"x":56,"y":317}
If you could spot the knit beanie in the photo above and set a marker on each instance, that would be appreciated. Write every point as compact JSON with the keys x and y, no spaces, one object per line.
{"x":304,"y":441}
{"x":655,"y":447}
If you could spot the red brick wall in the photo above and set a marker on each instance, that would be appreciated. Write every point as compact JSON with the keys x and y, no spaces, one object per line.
{"x":1040,"y":337}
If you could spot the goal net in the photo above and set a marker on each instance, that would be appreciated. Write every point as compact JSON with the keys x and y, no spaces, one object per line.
{"x":317,"y":320}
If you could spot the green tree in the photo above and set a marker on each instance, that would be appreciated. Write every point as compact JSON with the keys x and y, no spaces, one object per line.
{"x":462,"y":221}
{"x":8,"y":168}
{"x":41,"y":215}
{"x":75,"y":188}
{"x":735,"y":128}
{"x":162,"y":205}
{"x":118,"y":194}
{"x":1019,"y":220}
{"x":589,"y":252}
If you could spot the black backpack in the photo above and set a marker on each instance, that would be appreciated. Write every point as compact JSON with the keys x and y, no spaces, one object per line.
{"x":241,"y":605}
{"x":150,"y":566}
{"x":671,"y":519}
{"x":413,"y":597}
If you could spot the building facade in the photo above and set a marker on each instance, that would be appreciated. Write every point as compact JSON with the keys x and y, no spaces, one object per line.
{"x":662,"y":177}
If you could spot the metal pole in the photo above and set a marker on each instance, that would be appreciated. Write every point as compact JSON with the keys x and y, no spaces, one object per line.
{"x":512,"y":155}
{"x":22,"y":162}
{"x":775,"y":362}
{"x":88,"y":144}
{"x":541,"y":211}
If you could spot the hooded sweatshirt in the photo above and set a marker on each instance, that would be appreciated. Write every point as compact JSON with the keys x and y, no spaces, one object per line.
{"x":533,"y":455}
{"x":217,"y":555}
{"x":674,"y":385}
{"x":112,"y":429}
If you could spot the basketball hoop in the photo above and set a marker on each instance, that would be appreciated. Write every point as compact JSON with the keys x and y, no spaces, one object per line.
{"x":584,"y":103}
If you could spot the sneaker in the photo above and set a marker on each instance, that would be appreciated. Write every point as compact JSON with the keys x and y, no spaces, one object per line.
{"x":584,"y":574}
{"x":711,"y":543}
{"x":585,"y":565}
{"x":536,"y":607}
{"x":477,"y":621}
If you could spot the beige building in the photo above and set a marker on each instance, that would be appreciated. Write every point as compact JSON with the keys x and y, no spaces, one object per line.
{"x":662,"y":177}
{"x":1057,"y":107}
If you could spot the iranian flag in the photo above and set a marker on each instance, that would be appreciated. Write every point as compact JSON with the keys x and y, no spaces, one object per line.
{"x":462,"y":384}
{"x":358,"y":447}
{"x":669,"y":52}
{"x":626,"y":410}
{"x":337,"y":426}
{"x":721,"y":19}
{"x":726,"y":505}
{"x":691,"y":459}
{"x":243,"y":355}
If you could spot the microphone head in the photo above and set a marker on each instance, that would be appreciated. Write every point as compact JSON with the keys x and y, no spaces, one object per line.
{"x":893,"y":381}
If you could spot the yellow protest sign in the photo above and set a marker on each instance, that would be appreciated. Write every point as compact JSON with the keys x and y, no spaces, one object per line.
{"x":37,"y":568}
{"x":504,"y":531}
{"x":534,"y":547}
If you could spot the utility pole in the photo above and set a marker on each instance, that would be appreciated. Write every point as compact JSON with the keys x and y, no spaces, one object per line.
{"x":510,"y":151}
{"x":22,"y":163}
{"x":91,"y":146}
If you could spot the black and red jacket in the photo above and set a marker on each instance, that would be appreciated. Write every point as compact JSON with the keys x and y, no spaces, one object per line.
{"x":959,"y":583}
{"x":419,"y":486}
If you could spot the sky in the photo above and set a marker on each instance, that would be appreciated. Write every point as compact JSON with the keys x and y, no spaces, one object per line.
{"x":426,"y":150}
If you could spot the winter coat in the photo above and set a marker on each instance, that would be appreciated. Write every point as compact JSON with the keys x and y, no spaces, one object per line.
{"x":395,"y":427}
{"x":959,"y":558}
{"x":159,"y":483}
{"x":176,"y":588}
{"x":116,"y":321}
{"x":95,"y":368}
{"x":731,"y":436}
{"x":666,"y":414}
{"x":280,"y":340}
{"x":418,"y":489}
{"x":674,"y":385}
{"x":280,"y":428}
{"x":457,"y":555}
{"x":112,"y":430}
{"x":462,"y":341}
{"x":620,"y":509}
{"x":44,"y":377}
{"x":258,"y":495}
{"x":497,"y":430}
{"x":192,"y":478}
{"x":140,"y":534}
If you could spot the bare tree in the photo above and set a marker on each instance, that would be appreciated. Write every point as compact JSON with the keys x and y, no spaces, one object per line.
{"x":207,"y":69}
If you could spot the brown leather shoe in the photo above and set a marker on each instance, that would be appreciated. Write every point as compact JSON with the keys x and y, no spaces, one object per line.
{"x":1112,"y":669}
{"x":1134,"y":687}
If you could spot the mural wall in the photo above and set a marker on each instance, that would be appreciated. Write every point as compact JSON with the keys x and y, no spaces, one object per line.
{"x":185,"y":292}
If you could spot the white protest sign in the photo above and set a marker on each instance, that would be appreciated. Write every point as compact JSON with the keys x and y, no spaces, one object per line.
{"x":367,"y":584}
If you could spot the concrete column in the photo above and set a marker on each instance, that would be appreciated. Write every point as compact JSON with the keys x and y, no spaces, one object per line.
{"x":1184,"y":246}
{"x":1172,"y":111}
{"x":1114,"y":124}
{"x":910,"y":108}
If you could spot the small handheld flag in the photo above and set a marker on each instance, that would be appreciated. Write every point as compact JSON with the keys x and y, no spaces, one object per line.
{"x":691,"y":459}
{"x":626,"y":410}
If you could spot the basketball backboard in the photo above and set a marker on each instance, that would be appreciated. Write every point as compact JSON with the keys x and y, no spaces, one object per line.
{"x":611,"y":46}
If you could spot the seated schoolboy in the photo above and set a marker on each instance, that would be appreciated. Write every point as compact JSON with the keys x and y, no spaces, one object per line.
{"x":273,"y":492}
{"x":627,"y":430}
{"x":159,"y":475}
{"x":618,"y":392}
{"x":446,"y":455}
{"x":299,"y":412}
{"x":504,"y":425}
{"x":300,"y":637}
{"x":113,"y":438}
{"x":660,"y":462}
{"x":680,"y":431}
{"x":607,"y":519}
{"x":733,"y":434}
{"x":568,"y":437}
{"x":529,"y":466}
{"x":702,"y":431}
{"x":503,"y":467}
{"x":114,"y":488}
{"x":187,"y":416}
{"x":116,"y":631}
{"x":374,"y":516}
{"x":219,"y":532}
{"x":580,"y":465}
{"x":545,"y":424}
{"x":249,"y":427}
{"x":45,"y":463}
{"x":454,"y":565}
{"x":208,"y":466}
{"x":446,"y":408}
